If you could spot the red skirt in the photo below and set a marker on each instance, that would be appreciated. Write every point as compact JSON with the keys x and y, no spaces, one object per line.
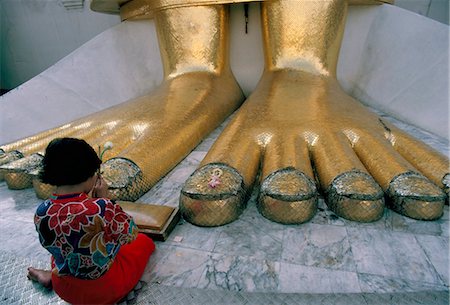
{"x":116,"y":283}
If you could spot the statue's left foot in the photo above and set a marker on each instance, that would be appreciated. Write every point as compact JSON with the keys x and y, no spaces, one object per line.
{"x":154,"y":132}
{"x":151,"y":134}
{"x":299,"y":128}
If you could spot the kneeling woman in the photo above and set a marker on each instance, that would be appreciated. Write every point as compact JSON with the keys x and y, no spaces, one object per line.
{"x":98,"y":256}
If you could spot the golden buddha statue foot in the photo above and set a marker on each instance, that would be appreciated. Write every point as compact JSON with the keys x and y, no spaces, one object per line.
{"x":213,"y":195}
{"x":7,"y":157}
{"x":412,"y":195}
{"x":153,"y":133}
{"x":124,"y":178}
{"x":312,"y":137}
{"x":299,"y":131}
{"x":150,"y":134}
{"x":288,"y":196}
{"x":354,"y":195}
{"x":20,"y":173}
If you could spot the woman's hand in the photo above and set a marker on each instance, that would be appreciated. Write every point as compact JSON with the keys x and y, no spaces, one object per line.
{"x":100,"y":188}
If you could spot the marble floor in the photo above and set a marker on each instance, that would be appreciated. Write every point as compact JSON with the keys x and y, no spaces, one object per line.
{"x":327,"y":255}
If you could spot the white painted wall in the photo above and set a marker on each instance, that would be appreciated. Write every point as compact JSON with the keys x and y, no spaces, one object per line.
{"x":434,"y":9}
{"x":37,"y":33}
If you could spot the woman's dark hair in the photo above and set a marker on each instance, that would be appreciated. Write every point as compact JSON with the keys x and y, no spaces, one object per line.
{"x":68,"y":161}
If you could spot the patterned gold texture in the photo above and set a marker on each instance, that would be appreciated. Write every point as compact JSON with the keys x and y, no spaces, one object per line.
{"x":296,"y":128}
{"x":124,"y":178}
{"x":299,"y":118}
{"x":355,"y":196}
{"x":430,"y":163}
{"x":6,"y":158}
{"x":18,"y":174}
{"x":205,"y":203}
{"x":151,"y":134}
{"x":413,"y":196}
{"x":43,"y":190}
{"x":288,"y":196}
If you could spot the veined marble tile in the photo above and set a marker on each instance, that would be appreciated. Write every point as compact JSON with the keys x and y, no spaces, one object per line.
{"x":436,"y":227}
{"x":23,"y":198}
{"x":205,"y":145}
{"x":176,"y":266}
{"x":18,"y":204}
{"x":3,"y":191}
{"x":408,"y":298}
{"x":180,"y":174}
{"x":163,"y":193}
{"x":251,"y":235}
{"x":391,"y":254}
{"x":437,"y":250}
{"x":381,"y":284}
{"x":161,"y":251}
{"x":10,"y":211}
{"x":304,"y":279}
{"x":445,"y":224}
{"x":335,"y":299}
{"x":318,"y":246}
{"x":193,"y":159}
{"x":238,"y":273}
{"x":193,"y":237}
{"x":325,"y":216}
{"x":21,"y":239}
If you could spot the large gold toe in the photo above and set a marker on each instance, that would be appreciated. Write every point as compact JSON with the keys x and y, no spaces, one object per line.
{"x":356,"y":196}
{"x":414,"y":196}
{"x":7,"y":157}
{"x":18,"y":174}
{"x":288,"y":196}
{"x":124,"y":178}
{"x":213,"y":195}
{"x":42,"y":190}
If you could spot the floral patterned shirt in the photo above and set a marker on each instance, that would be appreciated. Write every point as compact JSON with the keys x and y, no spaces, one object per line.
{"x":83,"y":234}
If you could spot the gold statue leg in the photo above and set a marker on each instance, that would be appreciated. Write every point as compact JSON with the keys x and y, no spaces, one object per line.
{"x":151,"y":134}
{"x":300,"y":129}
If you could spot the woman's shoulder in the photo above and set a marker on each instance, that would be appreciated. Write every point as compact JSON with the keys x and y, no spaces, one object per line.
{"x":43,"y":207}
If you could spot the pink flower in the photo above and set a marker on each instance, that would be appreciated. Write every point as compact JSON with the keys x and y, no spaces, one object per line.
{"x":215,"y":181}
